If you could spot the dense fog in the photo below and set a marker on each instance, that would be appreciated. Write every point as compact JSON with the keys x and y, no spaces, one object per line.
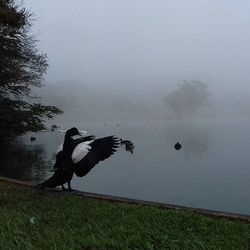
{"x":170,"y":81}
{"x":118,"y":60}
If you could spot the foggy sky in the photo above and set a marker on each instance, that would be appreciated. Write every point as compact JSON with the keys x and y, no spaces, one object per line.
{"x":142,"y":47}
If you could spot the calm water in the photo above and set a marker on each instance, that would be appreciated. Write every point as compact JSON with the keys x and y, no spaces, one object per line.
{"x":212,"y":170}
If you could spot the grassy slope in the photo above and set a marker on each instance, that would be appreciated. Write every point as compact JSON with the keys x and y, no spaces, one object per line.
{"x":32,"y":219}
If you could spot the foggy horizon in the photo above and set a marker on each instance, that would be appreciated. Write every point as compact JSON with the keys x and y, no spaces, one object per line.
{"x":142,"y":50}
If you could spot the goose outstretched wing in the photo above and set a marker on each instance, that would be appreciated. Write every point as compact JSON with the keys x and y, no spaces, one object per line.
{"x":87,"y":154}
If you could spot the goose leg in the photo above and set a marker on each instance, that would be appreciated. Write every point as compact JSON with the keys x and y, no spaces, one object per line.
{"x":69,"y":186}
{"x":63,"y":188}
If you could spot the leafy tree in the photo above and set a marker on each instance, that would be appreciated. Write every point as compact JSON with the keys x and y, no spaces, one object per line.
{"x":188,"y":98}
{"x":21,"y":68}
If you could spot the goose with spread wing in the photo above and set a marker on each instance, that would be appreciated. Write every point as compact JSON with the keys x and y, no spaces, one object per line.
{"x":78,"y":154}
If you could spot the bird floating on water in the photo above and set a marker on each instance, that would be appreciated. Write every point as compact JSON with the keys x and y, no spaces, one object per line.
{"x":177,"y":146}
{"x":78,"y":155}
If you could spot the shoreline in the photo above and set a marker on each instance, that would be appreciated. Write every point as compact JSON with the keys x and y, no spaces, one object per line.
{"x":52,"y":219}
{"x":202,"y":211}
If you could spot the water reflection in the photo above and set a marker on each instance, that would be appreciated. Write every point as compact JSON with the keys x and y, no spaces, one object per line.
{"x":195,"y":140}
{"x":24,"y":162}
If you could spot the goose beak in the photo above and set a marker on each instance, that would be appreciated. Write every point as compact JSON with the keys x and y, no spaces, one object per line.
{"x":83,"y":132}
{"x":63,"y":131}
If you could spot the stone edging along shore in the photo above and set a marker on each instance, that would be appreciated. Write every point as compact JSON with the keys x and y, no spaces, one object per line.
{"x":206,"y":212}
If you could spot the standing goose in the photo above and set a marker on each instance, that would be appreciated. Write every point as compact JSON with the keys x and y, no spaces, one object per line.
{"x":79,"y":155}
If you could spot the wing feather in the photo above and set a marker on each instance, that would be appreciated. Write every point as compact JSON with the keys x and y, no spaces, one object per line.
{"x":101,"y":149}
{"x":77,"y":140}
{"x":80,"y":151}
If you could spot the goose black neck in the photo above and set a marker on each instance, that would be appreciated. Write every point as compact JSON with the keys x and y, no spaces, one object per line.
{"x":68,"y":144}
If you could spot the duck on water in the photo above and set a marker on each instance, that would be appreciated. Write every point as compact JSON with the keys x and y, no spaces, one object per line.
{"x":177,"y":146}
{"x":78,"y":155}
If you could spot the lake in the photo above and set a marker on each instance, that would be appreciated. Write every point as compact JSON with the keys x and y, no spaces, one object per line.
{"x":212,"y":169}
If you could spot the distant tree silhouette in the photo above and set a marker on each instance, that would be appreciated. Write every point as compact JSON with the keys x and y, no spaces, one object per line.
{"x":21,"y":68}
{"x":188,"y":98}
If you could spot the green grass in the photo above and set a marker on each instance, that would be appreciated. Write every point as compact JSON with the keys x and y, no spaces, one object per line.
{"x":32,"y":219}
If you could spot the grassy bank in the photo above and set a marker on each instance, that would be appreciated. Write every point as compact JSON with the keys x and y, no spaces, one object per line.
{"x":32,"y":219}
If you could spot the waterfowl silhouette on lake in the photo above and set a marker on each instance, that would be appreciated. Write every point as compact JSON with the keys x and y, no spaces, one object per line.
{"x":78,"y":155}
{"x":32,"y":138}
{"x":129,"y":146}
{"x":53,"y":128}
{"x":177,"y":146}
